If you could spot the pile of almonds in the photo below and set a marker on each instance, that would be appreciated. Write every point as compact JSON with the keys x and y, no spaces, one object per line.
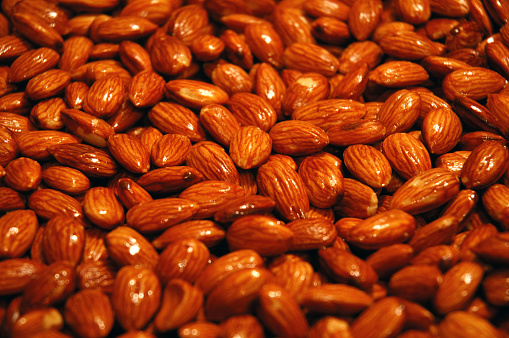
{"x":251,"y":168}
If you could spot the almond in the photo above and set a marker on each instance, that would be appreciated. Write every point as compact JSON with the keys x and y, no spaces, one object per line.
{"x":91,"y":129}
{"x":17,"y":273}
{"x":386,"y":315}
{"x":134,"y":56}
{"x":23,"y":174}
{"x":458,"y":286}
{"x":96,"y":275}
{"x":48,"y":203}
{"x":146,"y":89}
{"x":184,"y":259}
{"x":250,"y":147}
{"x":172,"y":118}
{"x":263,"y":234}
{"x":195,"y":94}
{"x":136,"y":296}
{"x":206,"y":231}
{"x":252,"y":110}
{"x":308,"y":88}
{"x":235,"y":294}
{"x":414,"y":47}
{"x":269,"y":85}
{"x":400,"y":111}
{"x":404,"y":283}
{"x":67,"y":180}
{"x":212,"y":161}
{"x":51,"y":286}
{"x":242,"y":325}
{"x":63,"y":240}
{"x":265,"y":43}
{"x":89,"y":313}
{"x":293,"y":273}
{"x":125,"y":28}
{"x":368,"y":164}
{"x":292,"y":26}
{"x":485,"y":165}
{"x":18,"y":228}
{"x":280,"y":312}
{"x":105,"y":96}
{"x":167,"y":48}
{"x":474,"y":83}
{"x":75,"y":93}
{"x":47,"y":84}
{"x":34,"y":144}
{"x":32,"y":63}
{"x":359,"y":200}
{"x":95,"y":245}
{"x":443,"y":256}
{"x":126,"y":246}
{"x":441,"y":130}
{"x":387,"y":260}
{"x":338,"y":299}
{"x":36,"y":30}
{"x":180,"y":304}
{"x":461,"y":322}
{"x":236,"y":49}
{"x":225,"y":266}
{"x":307,"y":57}
{"x":363,"y":17}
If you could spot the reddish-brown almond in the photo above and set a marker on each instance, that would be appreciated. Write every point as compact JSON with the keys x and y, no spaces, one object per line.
{"x":387,"y":260}
{"x":459,"y":285}
{"x":32,"y":63}
{"x":136,"y":296}
{"x":485,"y":165}
{"x":167,"y":48}
{"x":180,"y":304}
{"x":386,"y":315}
{"x":67,"y":180}
{"x":34,"y":143}
{"x":86,"y":126}
{"x":105,"y":96}
{"x":363,"y":17}
{"x":250,"y":147}
{"x":18,"y":228}
{"x":307,"y":57}
{"x":407,"y":285}
{"x":263,"y":234}
{"x":184,"y":259}
{"x":359,"y":200}
{"x":475,"y":83}
{"x":464,"y":323}
{"x":102,"y":208}
{"x":17,"y":273}
{"x":48,"y":203}
{"x":297,"y":138}
{"x":368,"y":164}
{"x":172,"y":118}
{"x":206,"y":231}
{"x":63,"y":240}
{"x":400,"y":111}
{"x":126,"y":246}
{"x":236,"y":293}
{"x":23,"y":174}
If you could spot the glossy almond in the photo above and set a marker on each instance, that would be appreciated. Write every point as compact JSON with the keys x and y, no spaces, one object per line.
{"x":63,"y":240}
{"x":250,"y":147}
{"x":48,"y":203}
{"x":385,"y":315}
{"x":184,"y":259}
{"x":17,"y":273}
{"x":359,"y":200}
{"x":23,"y":174}
{"x":307,"y":57}
{"x":32,"y":63}
{"x":18,"y":228}
{"x":136,"y":296}
{"x":407,"y":155}
{"x":475,"y":83}
{"x":126,"y":246}
{"x":195,"y":94}
{"x":206,"y":231}
{"x":368,"y":164}
{"x":335,"y":299}
{"x":175,"y":119}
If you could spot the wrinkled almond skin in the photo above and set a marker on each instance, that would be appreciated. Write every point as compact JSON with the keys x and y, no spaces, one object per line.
{"x":386,"y":315}
{"x":53,"y":284}
{"x":235,"y":293}
{"x":323,"y":181}
{"x":265,"y":235}
{"x":206,"y":231}
{"x":105,"y":96}
{"x":462,"y":322}
{"x":251,"y":110}
{"x":213,"y":162}
{"x":23,"y":174}
{"x":17,"y":273}
{"x":180,"y":304}
{"x":63,"y":240}
{"x":18,"y":229}
{"x":250,"y":147}
{"x":160,"y":214}
{"x":485,"y":165}
{"x":175,"y":119}
{"x":307,"y":57}
{"x":102,"y":208}
{"x":195,"y":94}
{"x":425,"y":191}
{"x":397,"y":226}
{"x":368,"y":164}
{"x":66,"y":180}
{"x":458,"y":286}
{"x":280,"y":182}
{"x":404,"y":284}
{"x":136,"y":296}
{"x":89,"y":313}
{"x":297,"y":138}
{"x":86,"y":126}
{"x":359,"y":200}
{"x":146,"y":89}
{"x":474,"y":83}
{"x":47,"y":84}
{"x":184,"y":259}
{"x":129,"y":152}
{"x":48,"y":203}
{"x":126,"y":246}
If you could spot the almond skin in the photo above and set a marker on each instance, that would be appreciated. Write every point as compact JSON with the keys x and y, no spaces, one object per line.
{"x":280,"y":182}
{"x":441,"y":130}
{"x":106,"y":87}
{"x":407,"y":155}
{"x":23,"y":174}
{"x":17,"y":273}
{"x":48,"y":203}
{"x":133,"y":313}
{"x":293,"y":273}
{"x":63,"y":240}
{"x":175,"y":119}
{"x":359,"y":200}
{"x":180,"y":304}
{"x":206,"y":231}
{"x":128,"y":247}
{"x":146,"y":89}
{"x":191,"y":251}
{"x":297,"y":138}
{"x":250,"y":147}
{"x":68,"y":180}
{"x":129,"y":152}
{"x":387,"y":315}
{"x":32,"y":63}
{"x":18,"y":228}
{"x":265,"y":235}
{"x":425,"y":191}
{"x":89,"y":313}
{"x":397,"y":225}
{"x":368,"y":164}
{"x":102,"y":207}
{"x":404,"y":283}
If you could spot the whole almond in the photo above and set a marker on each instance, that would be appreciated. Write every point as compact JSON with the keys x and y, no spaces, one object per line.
{"x":206,"y":231}
{"x":309,"y":87}
{"x":252,"y":110}
{"x":180,"y":304}
{"x":126,"y":246}
{"x":172,"y":118}
{"x":263,"y":234}
{"x":458,"y":286}
{"x":359,"y":200}
{"x":443,"y":256}
{"x":388,"y":314}
{"x":23,"y":174}
{"x":195,"y":94}
{"x":236,"y":49}
{"x":160,"y":214}
{"x":307,"y":57}
{"x":231,"y":78}
{"x":225,"y":266}
{"x":32,"y":63}
{"x":335,"y":299}
{"x":105,"y":96}
{"x":87,"y":159}
{"x":269,"y":85}
{"x":236,"y":293}
{"x":102,"y":208}
{"x":89,"y":313}
{"x":441,"y":130}
{"x":18,"y":228}
{"x":292,"y":26}
{"x":293,"y":273}
{"x":485,"y":165}
{"x":368,"y":164}
{"x":191,"y":251}
{"x":297,"y":138}
{"x":63,"y":240}
{"x":65,"y":179}
{"x":91,"y":129}
{"x":96,"y":275}
{"x":170,"y":48}
{"x":265,"y":43}
{"x":17,"y":273}
{"x":250,"y":147}
{"x":134,"y":56}
{"x":363,"y":17}
{"x":404,"y":283}
{"x":210,"y":196}
{"x":387,"y":260}
{"x":48,"y":203}
{"x":136,"y":296}
{"x":400,"y":111}
{"x":47,"y":84}
{"x":37,"y":30}
{"x":146,"y":89}
{"x":475,"y":83}
{"x":461,"y":322}
{"x":280,"y":312}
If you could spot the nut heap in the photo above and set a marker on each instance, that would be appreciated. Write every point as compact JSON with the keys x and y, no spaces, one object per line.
{"x":251,"y":168}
